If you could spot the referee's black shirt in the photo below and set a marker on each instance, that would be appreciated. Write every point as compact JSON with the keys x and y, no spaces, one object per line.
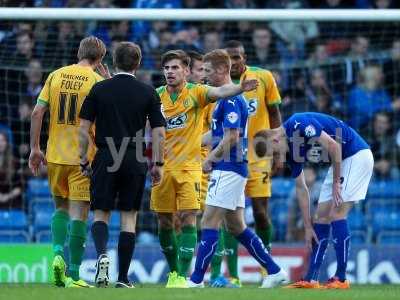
{"x":120,"y":106}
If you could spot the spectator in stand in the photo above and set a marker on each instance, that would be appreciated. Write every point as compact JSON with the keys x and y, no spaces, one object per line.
{"x":211,"y":40}
{"x":383,"y":145}
{"x":295,"y":227}
{"x":368,"y":97}
{"x":293,"y":35}
{"x":241,"y":31}
{"x":391,"y":69}
{"x":319,"y":55}
{"x":141,"y":28}
{"x":20,"y":127}
{"x":295,"y":99}
{"x":61,"y":45}
{"x":10,"y":180}
{"x":263,"y":51}
{"x":25,"y":50}
{"x":356,"y":59}
{"x":239,"y":4}
{"x":320,"y":93}
{"x":34,"y":76}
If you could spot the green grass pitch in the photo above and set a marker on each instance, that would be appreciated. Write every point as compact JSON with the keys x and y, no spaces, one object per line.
{"x":157,"y":292}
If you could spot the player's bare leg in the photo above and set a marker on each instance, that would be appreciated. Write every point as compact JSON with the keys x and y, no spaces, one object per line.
{"x":59,"y":229}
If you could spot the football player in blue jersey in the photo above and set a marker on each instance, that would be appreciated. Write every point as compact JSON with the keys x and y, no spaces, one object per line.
{"x":346,"y":182}
{"x":227,"y":163}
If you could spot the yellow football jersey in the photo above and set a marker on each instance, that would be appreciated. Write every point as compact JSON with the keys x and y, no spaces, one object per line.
{"x":184,"y":117}
{"x":64,"y":92}
{"x":266,"y":94}
{"x":207,"y":119}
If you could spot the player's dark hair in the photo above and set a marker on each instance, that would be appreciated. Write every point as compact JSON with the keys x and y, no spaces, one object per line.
{"x":194,"y":55}
{"x":175,"y":54}
{"x":233,"y":44}
{"x":127,"y":56}
{"x":92,"y":49}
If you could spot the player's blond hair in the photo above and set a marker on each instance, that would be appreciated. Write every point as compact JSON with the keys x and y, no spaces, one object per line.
{"x":92,"y":49}
{"x":218,"y":58}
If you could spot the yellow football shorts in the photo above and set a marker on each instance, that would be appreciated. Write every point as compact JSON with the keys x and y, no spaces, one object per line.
{"x":178,"y":190}
{"x":203,"y":189}
{"x":67,"y":182}
{"x":259,"y":180}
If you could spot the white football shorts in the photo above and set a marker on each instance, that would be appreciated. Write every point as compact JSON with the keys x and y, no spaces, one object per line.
{"x":226,"y":190}
{"x":356,"y":172}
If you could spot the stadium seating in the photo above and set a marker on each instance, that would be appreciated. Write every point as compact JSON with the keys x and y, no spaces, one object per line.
{"x":279,"y":216}
{"x":282,"y":187}
{"x":389,"y":238}
{"x":41,"y":225}
{"x":384,"y":189}
{"x":385,"y":219}
{"x":359,"y":237}
{"x":13,"y":227}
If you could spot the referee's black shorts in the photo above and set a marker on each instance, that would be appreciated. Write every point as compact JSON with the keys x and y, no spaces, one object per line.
{"x":122,"y":189}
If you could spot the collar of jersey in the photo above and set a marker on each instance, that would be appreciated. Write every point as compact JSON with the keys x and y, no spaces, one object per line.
{"x":125,"y":73}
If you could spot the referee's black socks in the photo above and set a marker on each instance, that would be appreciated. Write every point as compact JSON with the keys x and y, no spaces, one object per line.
{"x":126,"y":246}
{"x":100,"y":237}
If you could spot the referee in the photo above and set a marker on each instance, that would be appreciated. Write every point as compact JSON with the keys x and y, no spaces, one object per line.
{"x":120,"y":107}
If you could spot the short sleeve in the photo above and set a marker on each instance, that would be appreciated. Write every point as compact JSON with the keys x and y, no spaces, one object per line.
{"x":272,"y":93}
{"x":201,"y":91}
{"x":154,"y":113}
{"x":88,"y":110}
{"x":44,"y":96}
{"x":231,"y":114}
{"x":310,"y":128}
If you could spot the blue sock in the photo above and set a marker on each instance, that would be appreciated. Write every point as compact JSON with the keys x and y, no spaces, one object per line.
{"x":257,"y":249}
{"x":318,"y":251}
{"x":205,"y":252}
{"x":341,"y":242}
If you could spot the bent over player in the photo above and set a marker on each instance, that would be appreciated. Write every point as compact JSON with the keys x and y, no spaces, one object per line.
{"x":345,"y":183}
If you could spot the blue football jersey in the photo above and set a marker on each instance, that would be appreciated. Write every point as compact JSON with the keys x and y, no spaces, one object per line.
{"x":303,"y":130}
{"x":231,"y":113}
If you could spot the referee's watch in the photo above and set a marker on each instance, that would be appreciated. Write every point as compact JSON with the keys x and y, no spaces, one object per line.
{"x":159,"y":163}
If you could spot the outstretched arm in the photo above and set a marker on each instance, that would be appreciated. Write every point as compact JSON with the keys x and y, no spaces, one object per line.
{"x":231,"y":89}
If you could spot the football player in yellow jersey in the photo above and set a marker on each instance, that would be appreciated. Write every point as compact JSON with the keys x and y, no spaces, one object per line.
{"x":63,"y":95}
{"x":263,"y":104}
{"x":179,"y":191}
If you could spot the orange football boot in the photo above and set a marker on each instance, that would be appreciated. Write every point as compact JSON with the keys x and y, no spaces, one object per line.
{"x":335,"y":283}
{"x":302,"y":284}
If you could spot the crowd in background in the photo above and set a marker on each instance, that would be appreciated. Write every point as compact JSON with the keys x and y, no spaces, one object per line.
{"x":350,"y":70}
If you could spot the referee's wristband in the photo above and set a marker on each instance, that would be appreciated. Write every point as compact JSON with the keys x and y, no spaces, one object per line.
{"x":159,"y":164}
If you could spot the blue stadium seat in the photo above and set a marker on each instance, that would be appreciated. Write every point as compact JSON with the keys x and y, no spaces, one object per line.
{"x":43,"y":236}
{"x":37,"y":187}
{"x":13,"y":220}
{"x":40,"y":204}
{"x":389,"y":238}
{"x":282,"y":187}
{"x":356,"y":220}
{"x":279,"y":216}
{"x":385,"y":219}
{"x":42,"y":221}
{"x":14,"y":236}
{"x":358,"y":237}
{"x":114,"y":221}
{"x":384,"y":189}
